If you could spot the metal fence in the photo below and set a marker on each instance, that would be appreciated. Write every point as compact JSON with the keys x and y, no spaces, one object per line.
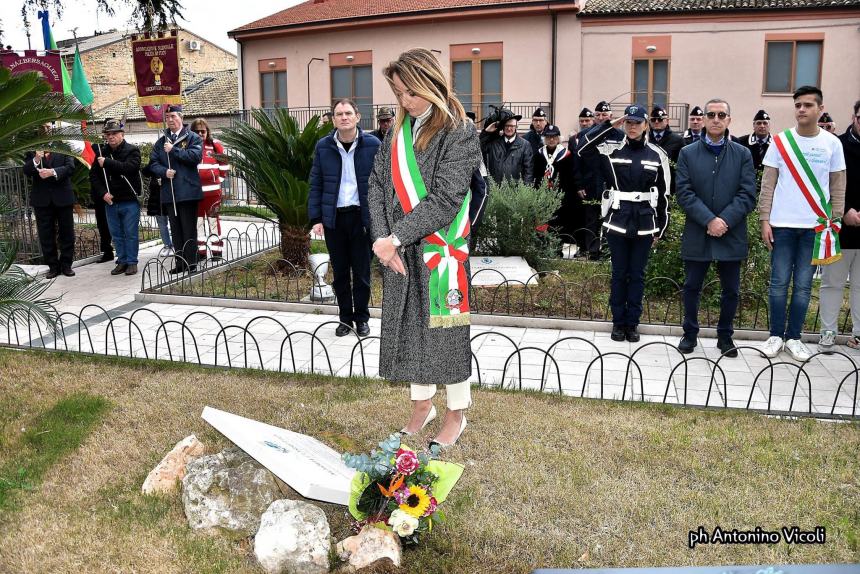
{"x":263,"y":342}
{"x":18,"y":225}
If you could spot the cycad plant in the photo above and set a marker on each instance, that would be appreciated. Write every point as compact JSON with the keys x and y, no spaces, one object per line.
{"x":19,"y":292}
{"x":274,"y":157}
{"x":26,"y":103}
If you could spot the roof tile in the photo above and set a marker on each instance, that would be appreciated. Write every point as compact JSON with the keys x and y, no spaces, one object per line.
{"x":318,"y":11}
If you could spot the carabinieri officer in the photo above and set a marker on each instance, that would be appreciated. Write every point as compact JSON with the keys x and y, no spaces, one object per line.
{"x":635,"y":210}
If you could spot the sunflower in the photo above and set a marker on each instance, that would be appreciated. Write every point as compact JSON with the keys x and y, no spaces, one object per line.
{"x":417,"y":503}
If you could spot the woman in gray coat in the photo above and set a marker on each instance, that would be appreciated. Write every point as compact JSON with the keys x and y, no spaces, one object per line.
{"x":419,"y":204}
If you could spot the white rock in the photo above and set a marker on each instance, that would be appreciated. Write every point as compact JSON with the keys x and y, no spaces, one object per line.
{"x":167,"y":473}
{"x":370,"y":545}
{"x":293,"y":538}
{"x":227,"y":492}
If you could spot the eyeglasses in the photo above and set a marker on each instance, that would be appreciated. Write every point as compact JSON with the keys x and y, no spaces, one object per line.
{"x":721,"y":115}
{"x":762,"y":123}
{"x":200,"y":131}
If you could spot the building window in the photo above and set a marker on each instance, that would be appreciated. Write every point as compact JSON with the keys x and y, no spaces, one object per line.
{"x":477,"y":73}
{"x":273,"y":83}
{"x":356,"y":83}
{"x":651,"y":82}
{"x":790,"y":64}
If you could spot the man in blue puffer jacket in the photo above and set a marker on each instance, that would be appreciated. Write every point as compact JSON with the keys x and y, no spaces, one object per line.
{"x":337,"y":208}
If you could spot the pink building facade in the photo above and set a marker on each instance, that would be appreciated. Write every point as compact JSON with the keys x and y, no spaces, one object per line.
{"x":564,"y":54}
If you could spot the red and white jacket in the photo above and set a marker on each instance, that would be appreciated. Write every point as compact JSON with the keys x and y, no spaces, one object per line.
{"x":211,"y":172}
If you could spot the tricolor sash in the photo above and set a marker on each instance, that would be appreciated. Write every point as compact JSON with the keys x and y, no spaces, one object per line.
{"x":826,"y":249}
{"x":446,"y":250}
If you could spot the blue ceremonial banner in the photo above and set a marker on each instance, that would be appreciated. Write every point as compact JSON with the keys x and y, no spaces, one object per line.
{"x":781,"y":569}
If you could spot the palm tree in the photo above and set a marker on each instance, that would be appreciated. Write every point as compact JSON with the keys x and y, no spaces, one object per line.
{"x":26,"y":103}
{"x":275,"y":157}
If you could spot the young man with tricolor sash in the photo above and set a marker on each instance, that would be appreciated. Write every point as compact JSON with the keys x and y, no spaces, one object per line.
{"x":801,"y":207}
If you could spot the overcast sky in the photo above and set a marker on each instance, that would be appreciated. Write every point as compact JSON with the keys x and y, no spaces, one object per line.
{"x":210,"y":19}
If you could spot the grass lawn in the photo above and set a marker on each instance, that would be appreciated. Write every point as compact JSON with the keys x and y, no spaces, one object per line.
{"x":549,"y":481}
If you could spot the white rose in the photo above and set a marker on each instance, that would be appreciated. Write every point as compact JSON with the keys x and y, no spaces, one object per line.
{"x":402,"y":523}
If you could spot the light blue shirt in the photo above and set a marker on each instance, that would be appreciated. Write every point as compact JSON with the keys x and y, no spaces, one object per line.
{"x":348,"y":193}
{"x":712,"y":142}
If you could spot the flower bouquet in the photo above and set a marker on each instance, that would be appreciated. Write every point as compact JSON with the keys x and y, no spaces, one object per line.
{"x":399,"y":489}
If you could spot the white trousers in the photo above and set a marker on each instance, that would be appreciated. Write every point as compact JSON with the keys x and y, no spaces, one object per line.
{"x":833,"y":278}
{"x":459,"y":395}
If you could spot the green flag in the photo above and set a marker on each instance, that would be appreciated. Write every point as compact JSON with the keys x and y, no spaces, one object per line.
{"x":80,"y":86}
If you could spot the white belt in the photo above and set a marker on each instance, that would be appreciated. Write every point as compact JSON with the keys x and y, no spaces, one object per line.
{"x":635,"y":196}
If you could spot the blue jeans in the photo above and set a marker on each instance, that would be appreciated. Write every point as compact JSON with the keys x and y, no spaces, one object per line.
{"x":629,"y":256}
{"x":123,"y":220}
{"x":164,"y":230}
{"x":791,"y":258}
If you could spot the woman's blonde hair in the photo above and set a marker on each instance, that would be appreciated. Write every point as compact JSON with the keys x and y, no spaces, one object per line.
{"x":421,"y":73}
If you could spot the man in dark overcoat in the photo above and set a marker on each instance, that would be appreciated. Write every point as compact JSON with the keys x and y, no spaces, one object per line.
{"x":52,"y":200}
{"x":717,"y":190}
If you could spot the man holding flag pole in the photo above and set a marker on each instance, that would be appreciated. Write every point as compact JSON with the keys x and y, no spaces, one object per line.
{"x":801,"y":207}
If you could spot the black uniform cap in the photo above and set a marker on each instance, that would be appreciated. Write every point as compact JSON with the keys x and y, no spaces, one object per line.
{"x":697,"y":111}
{"x":602,"y":107}
{"x":586,"y":113}
{"x":551,"y":130}
{"x":825,"y":119}
{"x":539,"y":113}
{"x":658,"y":113}
{"x":761,"y":116}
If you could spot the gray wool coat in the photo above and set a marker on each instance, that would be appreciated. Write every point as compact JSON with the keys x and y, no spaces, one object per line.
{"x":410,"y":351}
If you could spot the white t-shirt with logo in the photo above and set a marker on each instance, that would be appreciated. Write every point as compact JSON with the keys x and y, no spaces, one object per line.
{"x":824,"y":155}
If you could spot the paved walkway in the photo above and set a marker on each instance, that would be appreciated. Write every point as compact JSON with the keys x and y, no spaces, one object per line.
{"x":583,"y":362}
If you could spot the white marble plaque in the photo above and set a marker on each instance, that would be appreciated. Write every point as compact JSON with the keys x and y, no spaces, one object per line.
{"x":492,"y":270}
{"x":310,"y":467}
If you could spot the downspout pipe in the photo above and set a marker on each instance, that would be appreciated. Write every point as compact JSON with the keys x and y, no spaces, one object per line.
{"x":554,"y":65}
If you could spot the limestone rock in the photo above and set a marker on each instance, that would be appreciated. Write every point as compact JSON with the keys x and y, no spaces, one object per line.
{"x":370,"y":545}
{"x":165,"y":476}
{"x":293,"y":538}
{"x":228,"y":492}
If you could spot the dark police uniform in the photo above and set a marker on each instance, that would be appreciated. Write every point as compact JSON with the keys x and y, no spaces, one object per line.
{"x":758,"y":147}
{"x":637,"y":178}
{"x":591,"y":177}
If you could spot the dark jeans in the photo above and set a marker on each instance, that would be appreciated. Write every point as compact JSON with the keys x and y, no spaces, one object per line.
{"x":629,"y":256}
{"x":123,"y":218}
{"x":791,"y":258}
{"x":102,"y":224}
{"x":183,"y":226}
{"x":349,"y":248}
{"x":730,"y":282}
{"x":56,"y":224}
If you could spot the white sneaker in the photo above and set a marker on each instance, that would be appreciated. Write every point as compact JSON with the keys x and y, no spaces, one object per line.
{"x":827,"y":341}
{"x":772,"y":347}
{"x":797,"y":350}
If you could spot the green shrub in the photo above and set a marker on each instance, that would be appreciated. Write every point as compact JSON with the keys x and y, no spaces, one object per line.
{"x":513,"y":211}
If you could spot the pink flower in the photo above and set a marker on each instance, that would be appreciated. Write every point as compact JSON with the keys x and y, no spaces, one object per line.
{"x":407,"y":462}
{"x":402,"y":494}
{"x":432,"y":508}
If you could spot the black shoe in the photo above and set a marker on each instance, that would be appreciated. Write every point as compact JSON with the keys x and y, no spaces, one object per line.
{"x":131,"y":269}
{"x":52,"y":273}
{"x":632,"y":334}
{"x":362,"y":328}
{"x":727,"y":346}
{"x":687,"y":344}
{"x":119,"y":269}
{"x":176,"y":271}
{"x":67,"y":271}
{"x":106,"y":256}
{"x":192,"y":269}
{"x":619,"y":333}
{"x":343,"y":330}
